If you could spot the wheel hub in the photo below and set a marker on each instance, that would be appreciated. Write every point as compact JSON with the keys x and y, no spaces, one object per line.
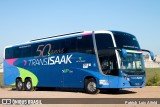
{"x":20,"y":84}
{"x":28,"y":85}
{"x":91,"y":86}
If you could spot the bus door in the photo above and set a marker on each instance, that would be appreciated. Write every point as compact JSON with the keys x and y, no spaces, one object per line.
{"x":107,"y":58}
{"x":109,"y":68}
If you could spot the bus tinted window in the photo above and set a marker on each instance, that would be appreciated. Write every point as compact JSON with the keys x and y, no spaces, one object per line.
{"x":70,"y":45}
{"x":36,"y":49}
{"x":25,"y":51}
{"x":16,"y":52}
{"x":56,"y":47}
{"x":82,"y":44}
{"x":125,"y":40}
{"x":85,"y":44}
{"x":103,"y":41}
{"x":107,"y":56}
{"x":47,"y":48}
{"x":8,"y":53}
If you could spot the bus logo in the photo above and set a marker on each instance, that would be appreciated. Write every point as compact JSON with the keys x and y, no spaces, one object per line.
{"x":80,"y":59}
{"x":53,"y":60}
{"x":67,"y":71}
{"x":136,"y":78}
{"x":25,"y":62}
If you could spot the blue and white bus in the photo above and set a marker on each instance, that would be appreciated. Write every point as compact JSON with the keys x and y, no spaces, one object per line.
{"x":92,"y":60}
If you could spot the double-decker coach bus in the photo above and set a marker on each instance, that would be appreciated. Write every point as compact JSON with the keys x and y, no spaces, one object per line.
{"x":92,"y":60}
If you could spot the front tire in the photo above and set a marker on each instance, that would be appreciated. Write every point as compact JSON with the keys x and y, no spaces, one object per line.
{"x":19,"y":84}
{"x":91,"y":86}
{"x":28,"y":85}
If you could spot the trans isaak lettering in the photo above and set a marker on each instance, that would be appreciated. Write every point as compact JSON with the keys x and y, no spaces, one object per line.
{"x":53,"y":60}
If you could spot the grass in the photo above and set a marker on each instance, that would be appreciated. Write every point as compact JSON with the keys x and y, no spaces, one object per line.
{"x":152,"y":74}
{"x":1,"y":80}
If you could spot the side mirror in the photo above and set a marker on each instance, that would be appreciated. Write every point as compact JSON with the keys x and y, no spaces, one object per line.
{"x":124,"y":53}
{"x":152,"y":55}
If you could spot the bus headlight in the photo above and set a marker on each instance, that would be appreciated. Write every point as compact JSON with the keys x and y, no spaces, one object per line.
{"x":128,"y":79}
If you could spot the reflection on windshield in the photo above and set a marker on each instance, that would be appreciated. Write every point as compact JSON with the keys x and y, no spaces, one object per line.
{"x":133,"y":63}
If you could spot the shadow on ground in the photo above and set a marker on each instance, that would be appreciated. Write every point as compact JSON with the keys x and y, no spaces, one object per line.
{"x":75,"y":90}
{"x":117,"y":92}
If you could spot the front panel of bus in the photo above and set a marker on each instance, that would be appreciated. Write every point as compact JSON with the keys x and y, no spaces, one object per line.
{"x":121,"y":72}
{"x":131,"y":67}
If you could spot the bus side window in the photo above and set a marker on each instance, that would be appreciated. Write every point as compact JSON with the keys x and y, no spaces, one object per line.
{"x":56,"y":45}
{"x":70,"y":45}
{"x":16,"y":52}
{"x":63,"y":47}
{"x":8,"y":53}
{"x":34,"y":47}
{"x":85,"y":44}
{"x":26,"y":51}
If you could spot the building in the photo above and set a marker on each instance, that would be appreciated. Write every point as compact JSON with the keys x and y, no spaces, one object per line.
{"x":1,"y":67}
{"x":158,"y":58}
{"x":150,"y":64}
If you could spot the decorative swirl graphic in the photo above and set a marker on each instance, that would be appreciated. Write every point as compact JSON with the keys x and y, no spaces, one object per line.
{"x":25,"y":62}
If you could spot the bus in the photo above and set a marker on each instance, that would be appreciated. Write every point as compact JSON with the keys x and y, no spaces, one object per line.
{"x":91,"y":60}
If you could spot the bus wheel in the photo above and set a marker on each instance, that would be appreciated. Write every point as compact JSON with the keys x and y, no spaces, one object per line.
{"x":28,"y":85}
{"x":91,"y":86}
{"x":19,"y":84}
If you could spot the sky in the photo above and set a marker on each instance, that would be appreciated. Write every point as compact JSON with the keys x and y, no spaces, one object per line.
{"x":24,"y":20}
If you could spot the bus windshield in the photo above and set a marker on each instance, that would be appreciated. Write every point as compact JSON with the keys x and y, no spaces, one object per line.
{"x":133,"y":64}
{"x":125,"y":40}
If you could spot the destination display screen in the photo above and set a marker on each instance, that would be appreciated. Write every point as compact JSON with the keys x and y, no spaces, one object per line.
{"x":125,"y":40}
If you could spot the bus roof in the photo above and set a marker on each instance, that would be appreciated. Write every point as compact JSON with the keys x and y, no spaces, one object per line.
{"x":56,"y":36}
{"x":52,"y":38}
{"x":82,"y":33}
